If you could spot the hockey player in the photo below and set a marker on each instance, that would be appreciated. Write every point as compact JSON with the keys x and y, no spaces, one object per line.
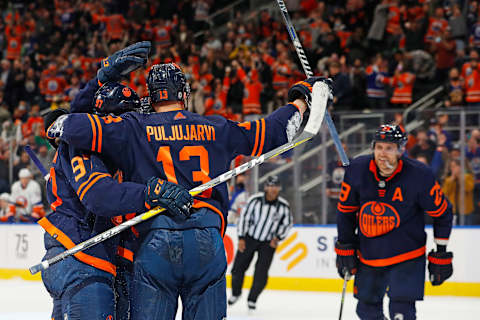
{"x":182,"y":256}
{"x":82,"y":285}
{"x":385,"y":197}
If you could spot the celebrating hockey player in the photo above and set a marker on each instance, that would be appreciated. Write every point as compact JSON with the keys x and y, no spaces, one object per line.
{"x":82,"y":285}
{"x":385,"y":198}
{"x":182,"y":255}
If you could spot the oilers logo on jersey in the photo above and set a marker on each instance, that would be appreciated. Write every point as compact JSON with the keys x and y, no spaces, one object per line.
{"x":377,"y":218}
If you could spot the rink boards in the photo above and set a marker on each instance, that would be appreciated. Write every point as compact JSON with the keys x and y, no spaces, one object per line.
{"x":304,"y":261}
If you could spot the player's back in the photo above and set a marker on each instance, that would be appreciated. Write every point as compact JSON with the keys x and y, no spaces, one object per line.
{"x":184,"y":148}
{"x":181,"y":147}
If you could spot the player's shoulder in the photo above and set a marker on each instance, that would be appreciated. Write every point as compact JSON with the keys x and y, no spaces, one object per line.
{"x":360,"y":162}
{"x":214,"y":120}
{"x":412,"y":164}
{"x":415,"y":167}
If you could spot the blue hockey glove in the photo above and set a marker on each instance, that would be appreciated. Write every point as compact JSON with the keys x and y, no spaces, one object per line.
{"x":347,"y":260}
{"x":303,"y":89}
{"x":439,"y":266}
{"x":176,"y":199}
{"x":123,"y":62}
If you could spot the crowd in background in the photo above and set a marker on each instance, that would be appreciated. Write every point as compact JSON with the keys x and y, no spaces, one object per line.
{"x":380,"y":55}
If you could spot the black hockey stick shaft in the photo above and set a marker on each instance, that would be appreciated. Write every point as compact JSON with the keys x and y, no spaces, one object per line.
{"x":308,"y":72}
{"x":345,"y":280}
{"x":311,"y":129}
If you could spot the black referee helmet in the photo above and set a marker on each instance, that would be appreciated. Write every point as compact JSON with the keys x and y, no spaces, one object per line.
{"x":272,"y":181}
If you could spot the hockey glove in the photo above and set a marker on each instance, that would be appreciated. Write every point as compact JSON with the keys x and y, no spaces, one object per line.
{"x":49,"y":119}
{"x":123,"y":62}
{"x":347,"y":260}
{"x":439,"y":266}
{"x":173,"y":197}
{"x":303,"y":89}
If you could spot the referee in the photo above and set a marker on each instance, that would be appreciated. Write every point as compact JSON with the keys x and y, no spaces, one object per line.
{"x":265,"y":220}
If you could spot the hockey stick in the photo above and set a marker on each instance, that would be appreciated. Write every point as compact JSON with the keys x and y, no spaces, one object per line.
{"x":37,"y":162}
{"x":308,"y":71}
{"x":345,"y":279}
{"x":311,"y":129}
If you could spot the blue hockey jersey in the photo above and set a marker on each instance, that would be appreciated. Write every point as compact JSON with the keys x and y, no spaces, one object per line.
{"x":84,"y":197}
{"x":179,"y":146}
{"x":386,"y":216}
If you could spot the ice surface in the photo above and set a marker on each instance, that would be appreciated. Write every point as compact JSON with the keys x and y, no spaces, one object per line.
{"x":22,"y":300}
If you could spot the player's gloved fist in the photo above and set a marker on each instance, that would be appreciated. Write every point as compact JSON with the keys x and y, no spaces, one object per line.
{"x":439,"y":266}
{"x":173,"y":197}
{"x":347,"y":260}
{"x":303,"y":89}
{"x":123,"y":62}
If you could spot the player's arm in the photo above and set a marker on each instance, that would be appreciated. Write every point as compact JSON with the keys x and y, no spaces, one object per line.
{"x":98,"y":191}
{"x":106,"y":135}
{"x":436,"y":205}
{"x":83,"y":99}
{"x":257,"y":137}
{"x":347,"y":208}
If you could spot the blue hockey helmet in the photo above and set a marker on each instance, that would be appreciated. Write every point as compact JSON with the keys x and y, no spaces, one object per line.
{"x":115,"y":98}
{"x":391,"y":133}
{"x":167,"y":82}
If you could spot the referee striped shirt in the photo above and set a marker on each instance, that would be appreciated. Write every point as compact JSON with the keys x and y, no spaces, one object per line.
{"x":263,"y":221}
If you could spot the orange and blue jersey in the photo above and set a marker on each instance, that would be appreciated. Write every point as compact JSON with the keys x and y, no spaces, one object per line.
{"x":375,"y":87}
{"x":84,"y":197}
{"x":181,"y":147}
{"x":388,"y":213}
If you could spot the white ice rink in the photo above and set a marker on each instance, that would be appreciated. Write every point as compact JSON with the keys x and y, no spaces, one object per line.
{"x":22,"y":300}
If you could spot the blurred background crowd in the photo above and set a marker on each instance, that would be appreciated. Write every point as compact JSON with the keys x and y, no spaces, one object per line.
{"x":383,"y":56}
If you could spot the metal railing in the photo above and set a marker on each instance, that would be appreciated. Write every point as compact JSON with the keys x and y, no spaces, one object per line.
{"x":312,"y":152}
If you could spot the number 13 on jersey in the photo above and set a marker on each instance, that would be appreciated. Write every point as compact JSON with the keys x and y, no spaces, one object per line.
{"x":186,"y":153}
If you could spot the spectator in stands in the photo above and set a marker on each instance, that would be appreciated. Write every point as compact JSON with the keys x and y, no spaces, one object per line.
{"x":451,"y":188}
{"x":454,"y":89}
{"x":45,"y":155}
{"x":402,"y":84}
{"x":436,"y":129}
{"x":342,"y":89}
{"x":238,"y":199}
{"x":375,"y":73}
{"x":23,"y":162}
{"x":444,"y":47}
{"x":458,"y":25}
{"x":424,"y":145}
{"x":27,"y":198}
{"x":4,"y":207}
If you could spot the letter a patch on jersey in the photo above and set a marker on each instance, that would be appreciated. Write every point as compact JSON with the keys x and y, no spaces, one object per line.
{"x":398,"y":195}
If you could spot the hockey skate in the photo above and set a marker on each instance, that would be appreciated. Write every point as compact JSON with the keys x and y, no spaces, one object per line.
{"x":232,"y":300}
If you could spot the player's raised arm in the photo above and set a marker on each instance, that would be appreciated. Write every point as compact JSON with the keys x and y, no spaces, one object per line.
{"x":257,"y":137}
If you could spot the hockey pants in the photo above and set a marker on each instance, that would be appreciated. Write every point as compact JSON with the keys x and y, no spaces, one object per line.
{"x":403,"y":282}
{"x":79,"y":291}
{"x":189,"y":264}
